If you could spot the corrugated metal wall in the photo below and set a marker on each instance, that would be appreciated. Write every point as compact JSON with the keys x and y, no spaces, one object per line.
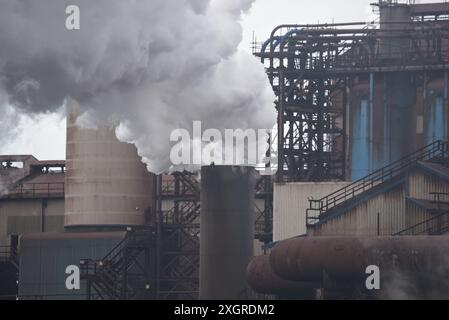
{"x":386,"y":213}
{"x":21,"y":216}
{"x":291,"y":201}
{"x":383,"y":214}
{"x":422,"y":184}
{"x":415,"y":215}
{"x":44,"y":258}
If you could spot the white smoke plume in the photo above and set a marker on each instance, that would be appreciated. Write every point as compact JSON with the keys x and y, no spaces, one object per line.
{"x":153,"y":66}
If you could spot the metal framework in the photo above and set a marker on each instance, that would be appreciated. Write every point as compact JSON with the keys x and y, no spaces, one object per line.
{"x":311,"y":67}
{"x":178,"y":229}
{"x":177,"y":240}
{"x":126,"y":272}
{"x":264,"y":210}
{"x":437,"y":152}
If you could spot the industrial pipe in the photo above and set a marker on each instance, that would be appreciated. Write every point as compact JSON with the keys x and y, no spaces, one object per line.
{"x":263,"y":280}
{"x":308,"y":259}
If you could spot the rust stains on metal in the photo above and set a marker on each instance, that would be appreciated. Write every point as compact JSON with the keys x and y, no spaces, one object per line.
{"x":263,"y":280}
{"x":307,"y":259}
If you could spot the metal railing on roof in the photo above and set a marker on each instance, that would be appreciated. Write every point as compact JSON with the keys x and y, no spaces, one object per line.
{"x":37,"y":190}
{"x":317,"y":208}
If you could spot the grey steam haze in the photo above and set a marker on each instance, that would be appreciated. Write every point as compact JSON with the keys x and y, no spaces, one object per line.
{"x":152,"y":66}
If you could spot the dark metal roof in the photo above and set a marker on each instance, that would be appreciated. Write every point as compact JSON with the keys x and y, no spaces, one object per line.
{"x":17,"y":157}
{"x":429,"y":204}
{"x":50,"y":163}
{"x":58,"y":177}
{"x":29,"y":239}
{"x":425,"y":9}
{"x":435,"y":169}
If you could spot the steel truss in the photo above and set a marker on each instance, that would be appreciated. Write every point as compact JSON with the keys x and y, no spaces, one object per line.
{"x":311,"y":67}
{"x":177,"y":241}
{"x":178,"y":229}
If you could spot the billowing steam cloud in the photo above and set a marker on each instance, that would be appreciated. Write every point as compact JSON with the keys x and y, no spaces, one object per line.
{"x":154,"y":66}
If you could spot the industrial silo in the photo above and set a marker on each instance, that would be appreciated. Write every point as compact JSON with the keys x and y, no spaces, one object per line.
{"x":227,"y":231}
{"x":107,"y":185}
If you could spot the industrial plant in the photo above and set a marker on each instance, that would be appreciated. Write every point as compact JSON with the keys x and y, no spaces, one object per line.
{"x":361,"y":187}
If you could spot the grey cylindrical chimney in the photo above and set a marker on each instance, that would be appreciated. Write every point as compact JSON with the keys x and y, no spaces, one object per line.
{"x":227,"y":231}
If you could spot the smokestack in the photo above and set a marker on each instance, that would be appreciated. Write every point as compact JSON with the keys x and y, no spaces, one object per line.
{"x":227,"y":231}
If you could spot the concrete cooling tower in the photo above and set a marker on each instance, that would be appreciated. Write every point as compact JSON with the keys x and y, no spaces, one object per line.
{"x":107,"y":185}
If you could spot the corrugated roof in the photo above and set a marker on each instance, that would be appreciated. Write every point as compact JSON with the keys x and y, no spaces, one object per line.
{"x":429,"y":205}
{"x":424,"y":9}
{"x":17,"y":157}
{"x":50,"y":163}
{"x":435,"y":168}
{"x":45,"y":178}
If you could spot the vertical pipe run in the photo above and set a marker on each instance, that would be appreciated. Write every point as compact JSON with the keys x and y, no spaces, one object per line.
{"x":227,"y":231}
{"x":346,"y":105}
{"x":371,"y":123}
{"x":386,"y":140}
{"x":281,"y":159}
{"x":320,"y":126}
{"x":158,"y":234}
{"x":446,"y":102}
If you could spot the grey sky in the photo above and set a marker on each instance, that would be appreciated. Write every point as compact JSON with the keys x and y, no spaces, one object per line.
{"x":44,"y":136}
{"x":266,"y":14}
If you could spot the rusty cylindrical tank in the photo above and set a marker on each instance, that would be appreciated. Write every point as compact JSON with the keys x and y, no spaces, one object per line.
{"x":227,"y":231}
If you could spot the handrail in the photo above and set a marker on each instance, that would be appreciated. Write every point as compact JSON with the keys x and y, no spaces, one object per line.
{"x":379,"y":176}
{"x":37,"y":189}
{"x":117,"y":250}
{"x":9,"y":253}
{"x":104,"y":272}
{"x":432,"y":230}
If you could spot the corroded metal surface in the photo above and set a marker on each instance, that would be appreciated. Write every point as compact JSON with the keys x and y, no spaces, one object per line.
{"x":307,"y":259}
{"x":263,"y":280}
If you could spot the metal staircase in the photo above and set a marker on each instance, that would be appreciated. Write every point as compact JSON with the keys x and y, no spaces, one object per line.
{"x":435,"y":152}
{"x":10,"y":255}
{"x":178,"y":228}
{"x":9,"y":272}
{"x":437,"y":225}
{"x":434,"y":226}
{"x":125,"y":272}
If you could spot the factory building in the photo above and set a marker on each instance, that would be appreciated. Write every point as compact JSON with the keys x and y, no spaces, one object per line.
{"x":364,"y":116}
{"x":60,"y":213}
{"x":31,"y":200}
{"x":35,"y":198}
{"x":406,"y":199}
{"x":362,"y":180}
